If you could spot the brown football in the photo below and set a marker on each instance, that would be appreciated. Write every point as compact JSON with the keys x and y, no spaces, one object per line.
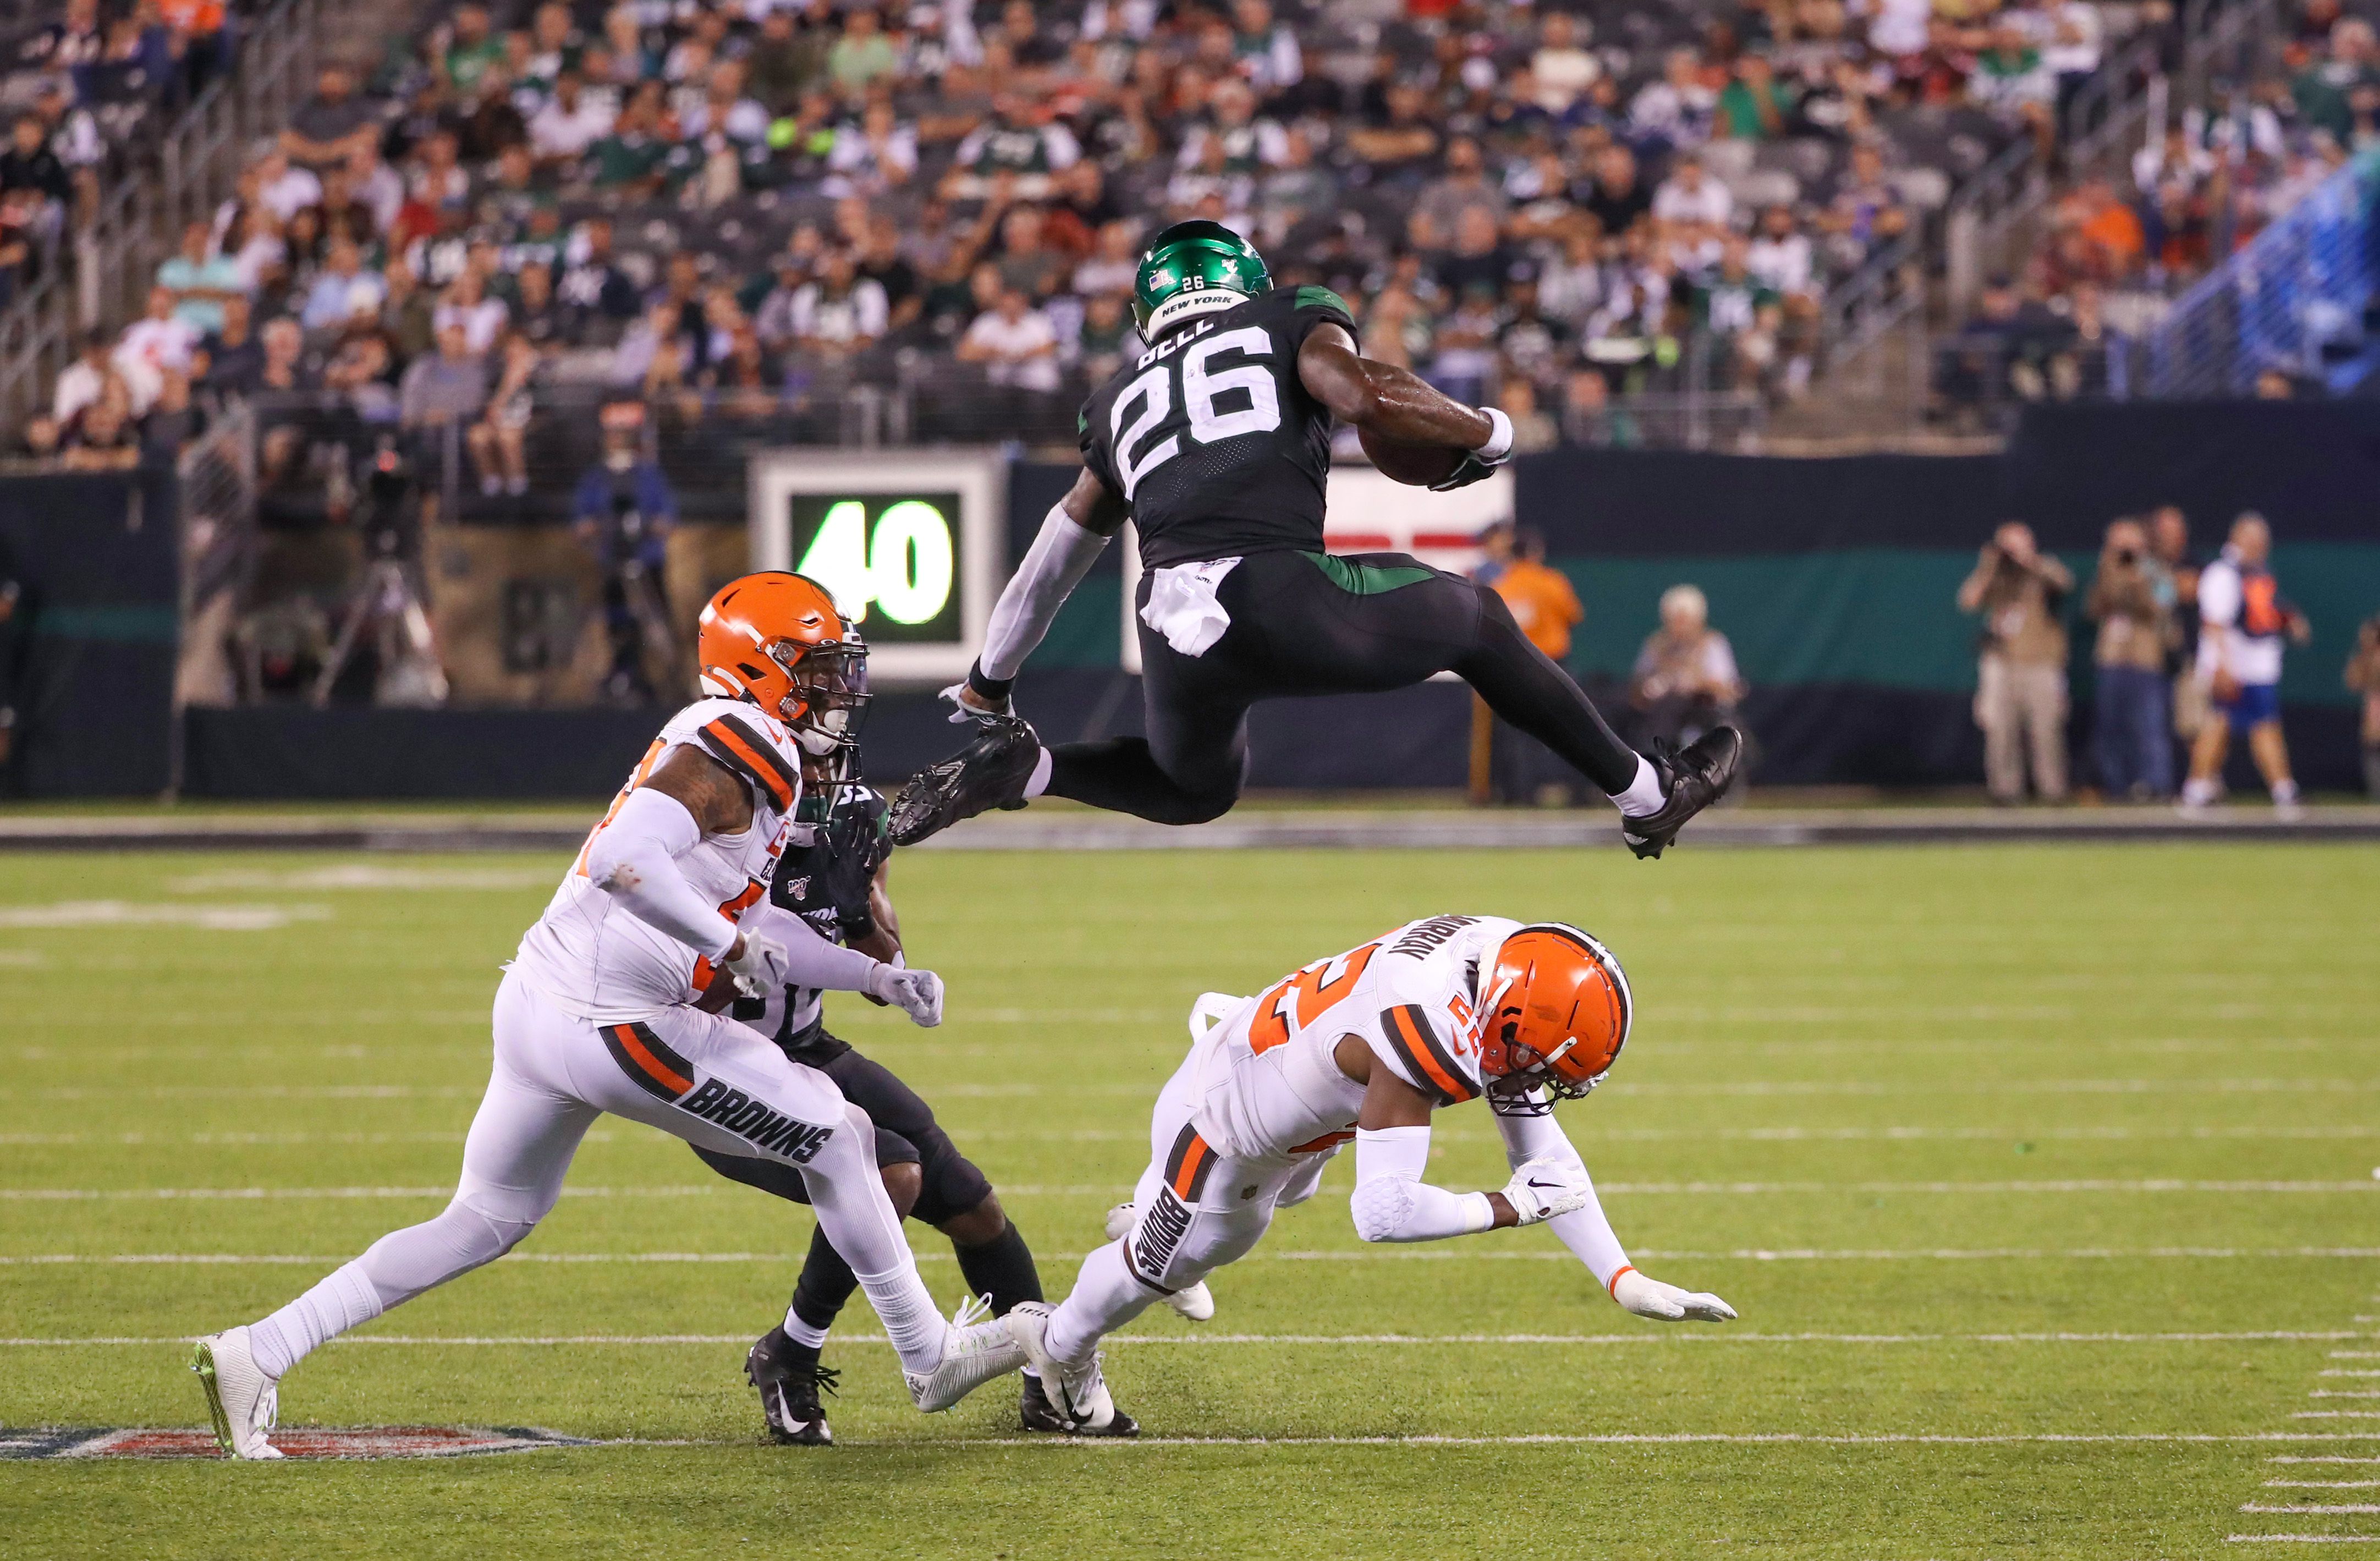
{"x":1416,"y":466}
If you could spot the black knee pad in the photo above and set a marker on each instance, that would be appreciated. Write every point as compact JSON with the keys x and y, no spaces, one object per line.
{"x":951,"y":1184}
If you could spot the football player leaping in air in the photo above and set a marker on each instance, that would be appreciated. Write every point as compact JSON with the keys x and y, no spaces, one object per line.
{"x":1364,"y":1046}
{"x":832,"y":878}
{"x":1216,"y":443}
{"x":597,"y":1013}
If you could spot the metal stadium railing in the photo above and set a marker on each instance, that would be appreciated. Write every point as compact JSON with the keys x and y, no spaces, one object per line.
{"x":2293,"y":301}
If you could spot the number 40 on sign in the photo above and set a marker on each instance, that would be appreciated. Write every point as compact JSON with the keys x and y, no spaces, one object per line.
{"x":903,"y":564}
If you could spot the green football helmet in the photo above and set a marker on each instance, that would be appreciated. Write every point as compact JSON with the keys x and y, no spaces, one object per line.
{"x":1190,"y":268}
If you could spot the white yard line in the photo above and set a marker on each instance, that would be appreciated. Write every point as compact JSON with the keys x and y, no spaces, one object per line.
{"x":1114,"y":1190}
{"x":1365,"y":1254}
{"x":2343,"y":1509}
{"x":2322,"y":1484}
{"x":1206,"y":1340}
{"x":2301,"y":1538}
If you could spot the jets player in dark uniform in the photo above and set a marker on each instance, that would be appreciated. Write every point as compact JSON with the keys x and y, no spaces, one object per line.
{"x":832,"y":876}
{"x":1216,"y":443}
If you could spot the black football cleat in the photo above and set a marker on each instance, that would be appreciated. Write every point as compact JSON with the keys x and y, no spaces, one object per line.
{"x":789,"y":1378}
{"x":1692,"y":778}
{"x":988,"y":772}
{"x":1038,"y":1415}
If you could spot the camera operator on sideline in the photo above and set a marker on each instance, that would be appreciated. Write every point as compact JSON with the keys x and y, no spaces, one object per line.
{"x":623,"y":513}
{"x":2021,"y":681}
{"x":2132,"y":731}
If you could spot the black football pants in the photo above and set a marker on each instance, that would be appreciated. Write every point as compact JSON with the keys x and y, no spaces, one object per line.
{"x":1305,"y":624}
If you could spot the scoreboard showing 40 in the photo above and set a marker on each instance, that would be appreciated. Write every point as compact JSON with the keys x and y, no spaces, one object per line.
{"x":889,"y":560}
{"x":910,"y":544}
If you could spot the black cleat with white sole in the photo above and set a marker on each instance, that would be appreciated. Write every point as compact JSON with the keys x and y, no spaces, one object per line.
{"x":988,"y":772}
{"x":789,"y":1378}
{"x":1692,"y":778}
{"x":1038,"y":1415}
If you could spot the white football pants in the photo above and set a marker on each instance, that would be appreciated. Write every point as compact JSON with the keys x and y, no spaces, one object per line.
{"x":705,"y":1078}
{"x":1195,"y":1210}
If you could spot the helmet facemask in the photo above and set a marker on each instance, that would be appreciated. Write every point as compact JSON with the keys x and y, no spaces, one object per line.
{"x":827,"y":698}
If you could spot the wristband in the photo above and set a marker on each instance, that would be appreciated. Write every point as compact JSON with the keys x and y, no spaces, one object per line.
{"x":991,"y":689}
{"x":1498,"y":442}
{"x":1613,"y":1283}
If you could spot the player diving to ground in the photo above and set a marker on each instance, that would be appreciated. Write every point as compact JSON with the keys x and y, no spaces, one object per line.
{"x":597,"y":1013}
{"x":1216,"y":443}
{"x":832,"y":878}
{"x":1365,"y":1045}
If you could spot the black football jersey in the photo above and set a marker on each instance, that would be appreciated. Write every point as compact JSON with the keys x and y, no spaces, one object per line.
{"x":1211,"y":437}
{"x":831,"y":853}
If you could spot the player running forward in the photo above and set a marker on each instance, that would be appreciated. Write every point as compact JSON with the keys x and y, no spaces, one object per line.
{"x":597,"y":1013}
{"x":1216,"y":443}
{"x":832,"y":878}
{"x":1364,"y":1046}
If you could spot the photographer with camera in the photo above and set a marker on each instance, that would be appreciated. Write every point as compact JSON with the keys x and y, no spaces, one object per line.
{"x":2363,"y":677}
{"x":2021,"y":677}
{"x":2131,"y":733}
{"x":623,"y":513}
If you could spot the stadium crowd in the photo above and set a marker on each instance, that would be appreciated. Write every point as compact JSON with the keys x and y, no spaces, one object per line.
{"x":741,"y":210}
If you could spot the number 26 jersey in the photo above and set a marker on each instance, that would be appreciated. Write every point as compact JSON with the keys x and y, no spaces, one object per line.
{"x":1211,"y":437}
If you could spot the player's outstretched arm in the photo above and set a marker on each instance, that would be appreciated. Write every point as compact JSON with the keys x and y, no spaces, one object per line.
{"x":1538,"y":1149}
{"x":1391,"y":1203}
{"x":1074,"y":534}
{"x":1399,"y":405}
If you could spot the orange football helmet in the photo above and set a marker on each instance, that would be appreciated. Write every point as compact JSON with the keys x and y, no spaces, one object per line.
{"x":775,"y":638}
{"x":1554,"y":1011}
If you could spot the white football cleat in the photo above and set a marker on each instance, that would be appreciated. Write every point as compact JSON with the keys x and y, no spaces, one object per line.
{"x":1079,"y":1393}
{"x":1196,"y":1302}
{"x":241,"y":1400}
{"x":975,"y":1349}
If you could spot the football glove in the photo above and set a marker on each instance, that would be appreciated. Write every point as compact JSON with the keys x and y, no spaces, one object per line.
{"x":1478,"y":463}
{"x":1667,"y":1303}
{"x":760,"y":968}
{"x":964,"y":714}
{"x":917,"y":993}
{"x":1544,"y":1190}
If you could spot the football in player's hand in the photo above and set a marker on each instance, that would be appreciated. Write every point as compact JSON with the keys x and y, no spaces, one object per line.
{"x":1416,"y":466}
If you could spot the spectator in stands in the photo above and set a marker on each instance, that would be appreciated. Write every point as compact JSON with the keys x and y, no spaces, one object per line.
{"x":2132,"y":731}
{"x":333,"y":125}
{"x":29,"y":164}
{"x":838,"y":316}
{"x":2364,"y":679}
{"x":443,"y":390}
{"x":157,"y":342}
{"x":38,"y":441}
{"x":1685,"y":680}
{"x":172,"y":423}
{"x":343,"y":289}
{"x":1015,"y":344}
{"x":199,"y":281}
{"x":499,"y":440}
{"x":2242,"y":620}
{"x":102,"y":439}
{"x":2021,"y":677}
{"x":86,"y":378}
{"x":284,"y":371}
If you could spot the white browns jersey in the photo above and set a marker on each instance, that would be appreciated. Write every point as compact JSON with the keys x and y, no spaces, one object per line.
{"x":1265,"y":1081}
{"x":598,"y":961}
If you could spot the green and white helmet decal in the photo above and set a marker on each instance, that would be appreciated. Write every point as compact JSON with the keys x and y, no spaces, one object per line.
{"x":1190,"y":268}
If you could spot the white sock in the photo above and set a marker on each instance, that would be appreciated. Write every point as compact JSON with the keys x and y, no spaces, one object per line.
{"x":1038,"y":781}
{"x":802,"y":1333}
{"x":1644,"y":794}
{"x":906,"y":1309}
{"x":1104,"y":1299}
{"x":346,"y":1299}
{"x":2197,"y":791}
{"x":2285,"y":791}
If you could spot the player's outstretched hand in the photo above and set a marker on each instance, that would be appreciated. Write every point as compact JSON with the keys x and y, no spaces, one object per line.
{"x":758,"y":964}
{"x":917,"y":993}
{"x":1667,"y":1303}
{"x":1542,"y":1190}
{"x":967,"y":709}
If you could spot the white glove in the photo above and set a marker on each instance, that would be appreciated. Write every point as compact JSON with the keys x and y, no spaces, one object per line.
{"x":964,"y":714}
{"x":1542,"y":1190}
{"x":1667,"y":1303}
{"x":760,"y":970}
{"x":917,"y":993}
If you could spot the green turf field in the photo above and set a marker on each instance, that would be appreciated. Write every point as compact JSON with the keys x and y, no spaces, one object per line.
{"x":2043,"y":1179}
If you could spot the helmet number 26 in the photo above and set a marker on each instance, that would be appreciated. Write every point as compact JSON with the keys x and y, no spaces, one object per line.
{"x":1202,"y":386}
